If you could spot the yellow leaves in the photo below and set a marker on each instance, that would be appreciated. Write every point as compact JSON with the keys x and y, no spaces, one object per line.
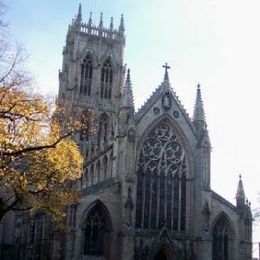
{"x":36,"y":160}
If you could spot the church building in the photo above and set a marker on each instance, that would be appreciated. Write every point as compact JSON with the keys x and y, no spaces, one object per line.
{"x":146,"y":186}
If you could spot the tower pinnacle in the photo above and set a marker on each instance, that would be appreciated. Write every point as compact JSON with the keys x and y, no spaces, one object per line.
{"x":79,"y":15}
{"x":121,"y":28}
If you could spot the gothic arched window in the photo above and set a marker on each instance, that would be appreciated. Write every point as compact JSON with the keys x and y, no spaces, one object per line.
{"x":106,"y":79}
{"x":86,"y":76}
{"x":161,"y":181}
{"x":103,"y":128}
{"x":221,"y":237}
{"x":97,"y":232}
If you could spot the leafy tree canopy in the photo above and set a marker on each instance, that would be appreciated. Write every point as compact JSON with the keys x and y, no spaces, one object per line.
{"x":38,"y":157}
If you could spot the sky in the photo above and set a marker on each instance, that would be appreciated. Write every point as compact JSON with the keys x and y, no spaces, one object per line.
{"x":211,"y":42}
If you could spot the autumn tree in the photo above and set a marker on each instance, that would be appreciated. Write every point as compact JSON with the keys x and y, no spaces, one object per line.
{"x":38,"y":157}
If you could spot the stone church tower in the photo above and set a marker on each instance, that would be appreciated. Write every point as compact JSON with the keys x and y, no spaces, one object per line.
{"x":146,"y":191}
{"x":146,"y":183}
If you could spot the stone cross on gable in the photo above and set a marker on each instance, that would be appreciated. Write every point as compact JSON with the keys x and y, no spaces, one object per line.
{"x":166,"y":66}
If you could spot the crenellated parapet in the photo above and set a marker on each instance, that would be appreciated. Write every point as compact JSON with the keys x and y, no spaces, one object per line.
{"x":89,"y":28}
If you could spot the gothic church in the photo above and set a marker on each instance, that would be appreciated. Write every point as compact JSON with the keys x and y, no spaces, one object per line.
{"x":146,"y":192}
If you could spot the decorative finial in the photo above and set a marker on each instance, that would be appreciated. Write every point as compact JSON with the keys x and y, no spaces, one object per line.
{"x":166,"y":66}
{"x":90,"y":19}
{"x":101,"y":20}
{"x":111,"y":24}
{"x":122,"y":26}
{"x":198,"y":86}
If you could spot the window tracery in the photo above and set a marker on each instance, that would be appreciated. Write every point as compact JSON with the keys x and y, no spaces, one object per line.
{"x":86,"y":76}
{"x":96,"y":232}
{"x":221,"y":236}
{"x":106,"y":79}
{"x":161,"y":181}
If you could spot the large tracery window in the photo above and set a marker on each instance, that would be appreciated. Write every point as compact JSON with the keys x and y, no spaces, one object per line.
{"x":161,"y":181}
{"x":86,"y":76}
{"x":106,"y":79}
{"x":97,"y":232}
{"x":221,"y":237}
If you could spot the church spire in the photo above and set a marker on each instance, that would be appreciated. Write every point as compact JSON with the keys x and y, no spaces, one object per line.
{"x":128,"y":100}
{"x":240,"y":195}
{"x":199,"y":114}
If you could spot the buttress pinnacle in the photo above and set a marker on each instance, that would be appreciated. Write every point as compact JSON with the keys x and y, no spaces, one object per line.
{"x":128,"y":100}
{"x":240,"y":195}
{"x":199,"y":114}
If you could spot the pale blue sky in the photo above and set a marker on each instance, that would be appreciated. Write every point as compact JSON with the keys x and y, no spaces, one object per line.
{"x":214,"y":42}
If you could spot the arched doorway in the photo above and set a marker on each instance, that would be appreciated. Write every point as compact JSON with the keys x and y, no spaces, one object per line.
{"x":161,"y":256}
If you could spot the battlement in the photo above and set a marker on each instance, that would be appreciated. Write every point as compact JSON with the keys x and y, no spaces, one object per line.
{"x":98,"y":30}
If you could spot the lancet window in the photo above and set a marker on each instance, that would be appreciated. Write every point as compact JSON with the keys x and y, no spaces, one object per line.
{"x":106,"y":79}
{"x":86,"y":76}
{"x":221,"y":237}
{"x":161,"y":181}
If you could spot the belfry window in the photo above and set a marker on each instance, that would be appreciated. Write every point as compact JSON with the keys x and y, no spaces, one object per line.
{"x":161,"y":181}
{"x":86,"y":76}
{"x":106,"y":79}
{"x":221,"y":237}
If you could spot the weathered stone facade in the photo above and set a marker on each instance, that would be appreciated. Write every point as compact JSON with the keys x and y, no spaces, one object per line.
{"x":146,"y":190}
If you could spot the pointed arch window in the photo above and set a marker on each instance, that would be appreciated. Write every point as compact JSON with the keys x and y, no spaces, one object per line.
{"x":96,"y":232}
{"x":103,"y":128}
{"x":106,"y":79}
{"x":161,"y":181}
{"x":86,"y":76}
{"x":221,"y":239}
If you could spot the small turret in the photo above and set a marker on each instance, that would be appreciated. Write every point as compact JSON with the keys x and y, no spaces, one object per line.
{"x":240,"y":195}
{"x":128,"y":100}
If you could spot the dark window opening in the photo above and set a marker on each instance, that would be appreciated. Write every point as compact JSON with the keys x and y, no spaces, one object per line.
{"x":106,"y":79}
{"x":86,"y":76}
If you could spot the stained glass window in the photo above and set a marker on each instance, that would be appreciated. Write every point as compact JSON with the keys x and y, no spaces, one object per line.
{"x":161,"y":181}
